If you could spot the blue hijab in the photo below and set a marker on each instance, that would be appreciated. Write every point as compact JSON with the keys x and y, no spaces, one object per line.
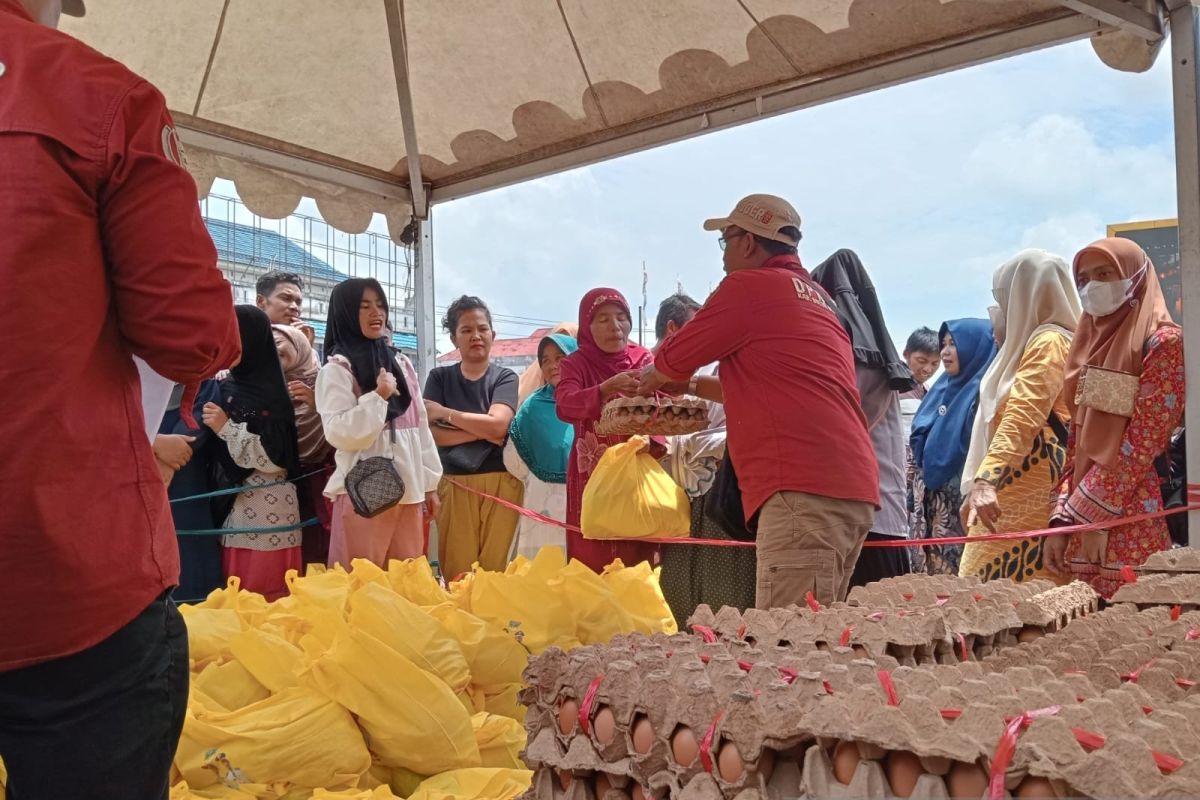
{"x":941,"y":432}
{"x":541,"y":439}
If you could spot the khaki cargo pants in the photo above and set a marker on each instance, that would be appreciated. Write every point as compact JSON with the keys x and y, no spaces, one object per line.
{"x":808,"y":543}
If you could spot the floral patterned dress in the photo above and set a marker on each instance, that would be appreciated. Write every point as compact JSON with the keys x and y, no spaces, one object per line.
{"x":581,"y":404}
{"x":1131,"y":487}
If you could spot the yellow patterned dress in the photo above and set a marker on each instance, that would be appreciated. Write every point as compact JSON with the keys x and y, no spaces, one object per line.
{"x":1025,"y":463}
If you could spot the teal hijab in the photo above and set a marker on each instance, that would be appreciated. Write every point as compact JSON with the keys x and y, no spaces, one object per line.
{"x":541,"y":439}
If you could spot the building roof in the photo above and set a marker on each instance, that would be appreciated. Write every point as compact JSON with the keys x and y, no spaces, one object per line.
{"x":246,"y":244}
{"x":403,"y":340}
{"x":526,"y":347}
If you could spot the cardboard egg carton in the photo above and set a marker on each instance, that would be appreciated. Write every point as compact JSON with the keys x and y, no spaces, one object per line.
{"x":1162,"y":589}
{"x":1174,"y":561}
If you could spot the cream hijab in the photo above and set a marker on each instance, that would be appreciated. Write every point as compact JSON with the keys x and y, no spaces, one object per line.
{"x":1036,"y":293}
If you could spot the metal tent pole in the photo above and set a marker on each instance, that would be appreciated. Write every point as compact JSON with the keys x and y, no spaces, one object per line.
{"x":1185,"y":78}
{"x":426,"y":316}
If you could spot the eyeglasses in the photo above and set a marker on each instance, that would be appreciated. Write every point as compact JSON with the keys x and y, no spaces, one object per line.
{"x":725,"y":238}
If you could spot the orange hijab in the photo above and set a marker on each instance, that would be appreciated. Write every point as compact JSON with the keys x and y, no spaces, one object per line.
{"x":1115,"y":342}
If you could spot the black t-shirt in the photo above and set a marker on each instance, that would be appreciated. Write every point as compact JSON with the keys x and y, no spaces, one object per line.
{"x":448,"y":386}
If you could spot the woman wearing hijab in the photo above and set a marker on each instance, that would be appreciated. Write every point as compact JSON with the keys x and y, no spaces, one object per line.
{"x":538,"y":449}
{"x":254,"y":419}
{"x":605,"y":365}
{"x":1017,"y":454}
{"x":1127,"y":330}
{"x":941,"y":437}
{"x":300,"y":368}
{"x":370,"y":404}
{"x":882,"y":375}
{"x":532,"y":378}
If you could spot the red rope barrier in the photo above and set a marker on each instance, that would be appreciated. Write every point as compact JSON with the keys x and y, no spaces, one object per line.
{"x":1066,"y":530}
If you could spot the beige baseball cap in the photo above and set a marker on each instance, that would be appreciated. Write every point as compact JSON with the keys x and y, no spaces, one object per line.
{"x":760,"y":214}
{"x":73,"y":8}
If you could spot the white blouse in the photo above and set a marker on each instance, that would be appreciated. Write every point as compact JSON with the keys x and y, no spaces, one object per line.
{"x":354,"y":425}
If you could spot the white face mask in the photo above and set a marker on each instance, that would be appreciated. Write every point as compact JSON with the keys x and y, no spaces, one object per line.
{"x":1101,"y":299}
{"x":998,"y":323}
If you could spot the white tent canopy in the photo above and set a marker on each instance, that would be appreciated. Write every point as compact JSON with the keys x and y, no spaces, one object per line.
{"x":386,"y":106}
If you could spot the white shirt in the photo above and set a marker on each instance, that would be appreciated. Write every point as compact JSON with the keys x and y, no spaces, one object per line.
{"x":355,"y":427}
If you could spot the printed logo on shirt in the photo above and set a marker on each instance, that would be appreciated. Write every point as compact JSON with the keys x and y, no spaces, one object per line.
{"x":806,"y":292}
{"x":171,"y":147}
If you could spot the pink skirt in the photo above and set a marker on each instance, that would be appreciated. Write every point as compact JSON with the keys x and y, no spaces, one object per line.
{"x":262,"y":571}
{"x":397,"y":533}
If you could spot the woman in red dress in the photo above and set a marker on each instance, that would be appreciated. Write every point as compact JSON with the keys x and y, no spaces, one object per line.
{"x":605,"y":366}
{"x":1125,"y":328}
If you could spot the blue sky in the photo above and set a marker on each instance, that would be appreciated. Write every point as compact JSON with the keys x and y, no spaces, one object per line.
{"x":933,"y":183}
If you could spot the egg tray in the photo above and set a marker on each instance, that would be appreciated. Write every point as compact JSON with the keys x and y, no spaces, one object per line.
{"x":961,"y":624}
{"x":1178,"y":560}
{"x":1162,"y":590}
{"x":1117,"y":634}
{"x":652,"y":416}
{"x":670,"y":664}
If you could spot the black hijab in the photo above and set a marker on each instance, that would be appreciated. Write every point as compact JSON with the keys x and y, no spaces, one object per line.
{"x":256,"y":394}
{"x":344,"y":337}
{"x":845,"y":278}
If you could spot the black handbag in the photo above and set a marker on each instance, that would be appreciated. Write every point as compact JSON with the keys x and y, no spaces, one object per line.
{"x":465,"y":459}
{"x":723,"y":504}
{"x":373,"y":484}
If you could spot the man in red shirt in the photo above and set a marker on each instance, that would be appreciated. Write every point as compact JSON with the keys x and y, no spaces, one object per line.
{"x":103,"y":257}
{"x":797,"y":435}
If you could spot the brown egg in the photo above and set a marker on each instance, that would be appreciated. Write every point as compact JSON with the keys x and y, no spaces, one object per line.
{"x":1030,"y":633}
{"x":684,"y":746}
{"x":643,"y":735}
{"x":730,"y":764}
{"x":845,"y":762}
{"x":638,"y":792}
{"x":966,"y":781}
{"x":903,"y":769}
{"x":603,"y":784}
{"x":605,"y":725}
{"x":565,"y":779}
{"x":1039,"y":788}
{"x":568,"y":715}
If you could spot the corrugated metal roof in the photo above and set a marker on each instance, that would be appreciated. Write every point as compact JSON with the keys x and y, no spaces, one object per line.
{"x":246,"y":244}
{"x":403,"y":339}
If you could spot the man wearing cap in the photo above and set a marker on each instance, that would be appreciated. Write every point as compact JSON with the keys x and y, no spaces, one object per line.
{"x":103,"y":257}
{"x":797,"y":435}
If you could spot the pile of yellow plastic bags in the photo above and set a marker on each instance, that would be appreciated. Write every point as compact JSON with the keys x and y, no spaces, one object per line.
{"x":375,"y":685}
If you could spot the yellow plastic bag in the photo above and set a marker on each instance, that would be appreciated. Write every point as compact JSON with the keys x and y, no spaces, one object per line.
{"x":414,"y":580}
{"x":209,"y":633}
{"x":630,"y":496}
{"x":501,"y":740}
{"x":475,"y":784}
{"x":495,"y":658}
{"x":250,"y":606}
{"x":413,"y":633}
{"x":230,"y":684}
{"x":272,"y":660}
{"x":328,"y":590}
{"x":641,"y":595}
{"x":412,"y":719}
{"x":379,"y":793}
{"x":526,"y":607}
{"x":599,"y":613}
{"x":502,"y":701}
{"x":298,"y":737}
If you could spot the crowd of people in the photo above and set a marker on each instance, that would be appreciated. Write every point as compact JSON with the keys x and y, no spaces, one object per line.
{"x":824,"y":445}
{"x":841,"y":449}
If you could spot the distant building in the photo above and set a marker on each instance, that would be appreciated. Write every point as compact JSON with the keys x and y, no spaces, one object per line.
{"x":516,"y":354}
{"x":245,"y":253}
{"x":1160,"y":239}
